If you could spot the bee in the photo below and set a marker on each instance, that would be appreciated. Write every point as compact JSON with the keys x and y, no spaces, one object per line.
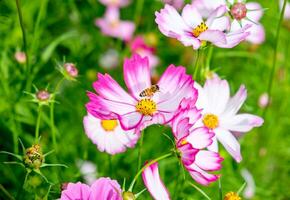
{"x":149,"y":92}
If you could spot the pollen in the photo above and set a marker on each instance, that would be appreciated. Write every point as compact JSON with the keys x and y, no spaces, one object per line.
{"x":109,"y":125}
{"x":211,"y":121}
{"x":232,"y":196}
{"x":199,"y":29}
{"x":183,"y":142}
{"x":146,"y":107}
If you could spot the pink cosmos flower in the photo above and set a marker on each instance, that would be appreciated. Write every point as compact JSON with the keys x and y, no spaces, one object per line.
{"x":108,"y":135}
{"x":139,"y":46}
{"x":191,"y":142}
{"x":154,"y":184}
{"x":244,"y":14}
{"x":111,"y":25}
{"x":143,"y":104}
{"x":175,"y":3}
{"x":103,"y":188}
{"x":192,"y":30}
{"x":115,"y":3}
{"x":219,"y":112}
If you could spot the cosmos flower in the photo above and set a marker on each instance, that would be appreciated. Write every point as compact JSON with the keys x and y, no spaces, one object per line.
{"x":115,"y":3}
{"x":111,"y":25}
{"x":192,"y":30}
{"x":139,"y":46}
{"x":175,"y":3}
{"x":143,"y":103}
{"x":108,"y":135}
{"x":243,"y":15}
{"x":249,"y":190}
{"x":103,"y":188}
{"x":191,"y":142}
{"x":219,"y":112}
{"x":154,"y":184}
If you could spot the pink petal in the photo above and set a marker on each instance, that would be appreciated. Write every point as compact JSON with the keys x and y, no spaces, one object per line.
{"x":191,"y":16}
{"x":182,"y":129}
{"x":214,"y":146}
{"x":255,"y":11}
{"x":126,"y":30}
{"x":217,"y":13}
{"x":208,"y":160}
{"x":130,"y":120}
{"x":257,"y":34}
{"x":187,"y":153}
{"x":201,"y":176}
{"x":154,"y":184}
{"x":213,"y":36}
{"x":76,"y":191}
{"x":221,"y":24}
{"x":137,"y":74}
{"x":229,"y":142}
{"x":105,"y":188}
{"x":200,"y":138}
{"x":242,"y":122}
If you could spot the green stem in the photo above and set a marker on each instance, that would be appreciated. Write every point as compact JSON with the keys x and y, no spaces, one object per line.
{"x":200,"y":190}
{"x":274,"y":64}
{"x":209,"y":57}
{"x":37,"y":124}
{"x":52,"y":124}
{"x":196,"y":64}
{"x":140,"y":151}
{"x":139,"y":8}
{"x":220,"y":189}
{"x":145,"y":166}
{"x":23,"y":38}
{"x":7,"y":194}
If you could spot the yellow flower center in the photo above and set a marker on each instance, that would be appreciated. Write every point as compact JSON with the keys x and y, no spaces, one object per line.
{"x":146,"y":107}
{"x":232,"y":196}
{"x":183,"y":142}
{"x":199,"y":29}
{"x":211,"y":121}
{"x":109,"y":125}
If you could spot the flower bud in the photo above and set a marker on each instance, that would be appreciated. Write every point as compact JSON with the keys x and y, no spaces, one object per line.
{"x":20,"y":57}
{"x":239,"y":11}
{"x":33,"y":157}
{"x":128,"y":196}
{"x":71,"y":70}
{"x":264,"y":100}
{"x":42,"y":95}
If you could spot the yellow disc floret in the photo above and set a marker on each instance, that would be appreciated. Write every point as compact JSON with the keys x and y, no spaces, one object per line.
{"x":232,"y":196}
{"x":146,"y":107}
{"x":199,"y":29}
{"x":109,"y":125}
{"x":211,"y":121}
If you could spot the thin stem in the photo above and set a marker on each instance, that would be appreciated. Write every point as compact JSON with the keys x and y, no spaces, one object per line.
{"x":52,"y":124}
{"x":274,"y":64}
{"x":241,"y":188}
{"x":209,"y":57}
{"x":23,"y":38}
{"x":220,"y":189}
{"x":7,"y":194}
{"x":140,"y":151}
{"x":139,"y":8}
{"x":196,"y":64}
{"x":200,"y":190}
{"x":38,"y":124}
{"x":145,"y":166}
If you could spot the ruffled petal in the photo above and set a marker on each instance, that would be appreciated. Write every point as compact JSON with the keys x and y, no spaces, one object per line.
{"x":200,"y":138}
{"x":229,"y":142}
{"x":201,"y":176}
{"x":154,"y":184}
{"x":105,"y":188}
{"x":130,"y":120}
{"x":214,"y":146}
{"x":76,"y":191}
{"x":208,"y":160}
{"x":137,"y":74}
{"x":187,"y":153}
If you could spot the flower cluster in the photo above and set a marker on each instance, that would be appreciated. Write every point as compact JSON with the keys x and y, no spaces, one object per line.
{"x":216,"y":22}
{"x":111,"y":24}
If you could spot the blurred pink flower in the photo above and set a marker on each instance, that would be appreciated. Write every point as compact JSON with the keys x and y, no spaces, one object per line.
{"x":134,"y":109}
{"x":190,"y":29}
{"x":244,"y":14}
{"x":139,"y":46}
{"x":111,"y":25}
{"x":219,"y":112}
{"x":178,"y":4}
{"x":263,"y":100}
{"x":20,"y":57}
{"x":103,"y":188}
{"x":115,"y":3}
{"x":109,"y":59}
{"x":287,"y":9}
{"x":249,"y":191}
{"x":191,"y":140}
{"x":108,"y":135}
{"x":154,"y":184}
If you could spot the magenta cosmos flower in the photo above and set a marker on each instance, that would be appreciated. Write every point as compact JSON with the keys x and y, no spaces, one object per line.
{"x":219,"y":114}
{"x":192,"y":30}
{"x":115,"y":3}
{"x":139,"y":46}
{"x":111,"y":25}
{"x":191,"y":142}
{"x":154,"y":184}
{"x":108,"y":135}
{"x":103,"y":188}
{"x":143,"y":103}
{"x":243,"y":14}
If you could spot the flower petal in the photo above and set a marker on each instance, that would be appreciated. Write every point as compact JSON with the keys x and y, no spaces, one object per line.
{"x":200,"y":138}
{"x":221,"y":24}
{"x":217,"y":13}
{"x":213,"y":36}
{"x":130,"y":120}
{"x":137,"y":74}
{"x":255,"y":11}
{"x":105,"y":188}
{"x":154,"y":184}
{"x":191,"y":16}
{"x":201,"y":176}
{"x":187,"y":153}
{"x":241,"y":122}
{"x":75,"y":191}
{"x":208,"y":160}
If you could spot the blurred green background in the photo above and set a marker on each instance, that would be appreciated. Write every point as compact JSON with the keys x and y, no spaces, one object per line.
{"x":58,"y":30}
